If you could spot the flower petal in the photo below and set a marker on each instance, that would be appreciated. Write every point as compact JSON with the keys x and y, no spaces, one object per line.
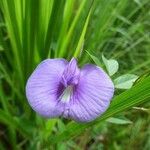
{"x":92,"y":95}
{"x":44,"y":87}
{"x":71,"y":73}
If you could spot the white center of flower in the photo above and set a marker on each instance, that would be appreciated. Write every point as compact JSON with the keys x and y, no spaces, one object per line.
{"x":65,"y":96}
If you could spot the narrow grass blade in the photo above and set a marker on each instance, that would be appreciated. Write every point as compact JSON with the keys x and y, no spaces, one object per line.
{"x":81,"y":40}
{"x":72,"y":27}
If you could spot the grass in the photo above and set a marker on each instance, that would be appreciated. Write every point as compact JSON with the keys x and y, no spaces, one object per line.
{"x":33,"y":30}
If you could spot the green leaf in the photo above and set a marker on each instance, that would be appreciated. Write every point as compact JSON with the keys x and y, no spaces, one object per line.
{"x":95,"y":59}
{"x":112,"y":65}
{"x":1,"y":48}
{"x":118,"y":121}
{"x":138,"y":94}
{"x":81,"y":40}
{"x":61,"y":125}
{"x":15,"y":123}
{"x":72,"y":28}
{"x":125,"y":81}
{"x":49,"y":125}
{"x":143,"y":76}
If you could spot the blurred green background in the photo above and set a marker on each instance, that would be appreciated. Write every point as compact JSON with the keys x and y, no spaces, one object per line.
{"x":33,"y":30}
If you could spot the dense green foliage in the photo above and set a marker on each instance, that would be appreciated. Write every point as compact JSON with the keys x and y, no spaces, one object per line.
{"x":33,"y":30}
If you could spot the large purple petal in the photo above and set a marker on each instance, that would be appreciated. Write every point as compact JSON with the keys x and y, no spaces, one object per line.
{"x":44,"y":87}
{"x":92,"y":94}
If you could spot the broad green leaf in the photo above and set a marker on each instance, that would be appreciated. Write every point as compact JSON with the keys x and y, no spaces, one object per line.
{"x":112,"y":65}
{"x":125,"y":81}
{"x":95,"y":59}
{"x":138,"y":94}
{"x":118,"y":121}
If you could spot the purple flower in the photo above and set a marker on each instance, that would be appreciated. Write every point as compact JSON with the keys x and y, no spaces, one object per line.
{"x":59,"y":88}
